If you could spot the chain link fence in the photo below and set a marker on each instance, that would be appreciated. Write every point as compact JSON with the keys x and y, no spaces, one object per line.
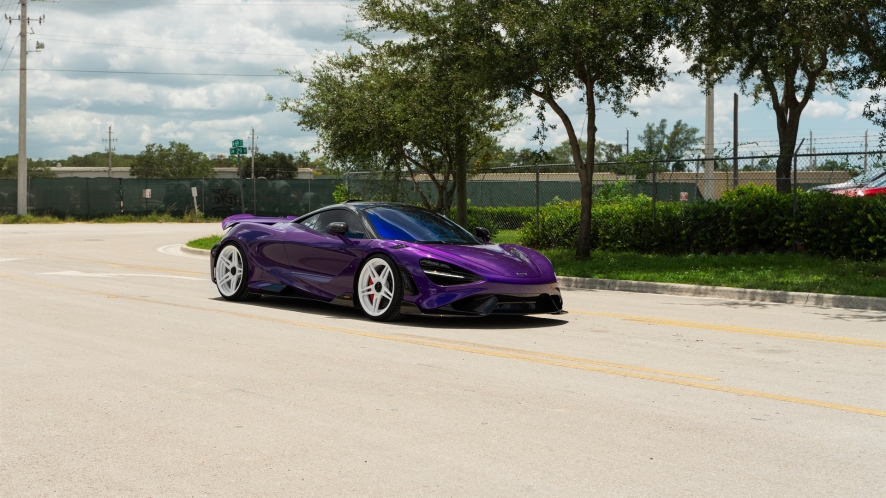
{"x":504,"y":200}
{"x":98,"y":197}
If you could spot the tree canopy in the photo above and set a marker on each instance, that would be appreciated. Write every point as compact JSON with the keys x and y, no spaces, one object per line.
{"x":782,"y":52}
{"x":671,"y":147}
{"x":37,"y":168}
{"x":175,"y":161}
{"x":391,"y":111}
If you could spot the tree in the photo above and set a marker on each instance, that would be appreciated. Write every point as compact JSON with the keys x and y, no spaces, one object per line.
{"x":390,"y":110}
{"x":37,"y":168}
{"x":604,"y":152}
{"x":660,"y":145}
{"x":175,"y":161}
{"x":497,"y":156}
{"x":98,"y":159}
{"x":537,"y":52}
{"x":864,"y":23}
{"x":783,"y":52}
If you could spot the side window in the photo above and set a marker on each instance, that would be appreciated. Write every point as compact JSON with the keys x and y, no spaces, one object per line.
{"x":320,"y":221}
{"x":311,"y":222}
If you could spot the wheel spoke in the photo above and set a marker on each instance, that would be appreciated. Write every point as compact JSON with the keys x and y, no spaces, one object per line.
{"x":387,"y":293}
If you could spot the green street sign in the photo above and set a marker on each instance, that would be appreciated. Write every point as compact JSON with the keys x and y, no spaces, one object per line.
{"x":237,"y":151}
{"x":237,"y":143}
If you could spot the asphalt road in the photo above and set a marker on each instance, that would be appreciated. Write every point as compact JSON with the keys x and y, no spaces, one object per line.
{"x":122,"y":373}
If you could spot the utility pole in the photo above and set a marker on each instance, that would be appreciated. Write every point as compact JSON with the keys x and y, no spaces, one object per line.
{"x":734,"y":140}
{"x":22,"y":184}
{"x":709,"y":144}
{"x":865,"y":151}
{"x":627,"y":148}
{"x":110,"y":149}
{"x":253,"y":150}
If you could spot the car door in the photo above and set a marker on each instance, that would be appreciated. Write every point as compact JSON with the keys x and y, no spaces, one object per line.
{"x":267,"y":251}
{"x":322,"y":261}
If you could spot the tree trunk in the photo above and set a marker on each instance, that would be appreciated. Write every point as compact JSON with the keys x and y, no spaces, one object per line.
{"x":461,"y":180}
{"x":788,"y":125}
{"x":583,"y":247}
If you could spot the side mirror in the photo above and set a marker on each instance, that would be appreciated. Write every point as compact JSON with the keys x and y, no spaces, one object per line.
{"x":337,"y":228}
{"x":482,"y":234}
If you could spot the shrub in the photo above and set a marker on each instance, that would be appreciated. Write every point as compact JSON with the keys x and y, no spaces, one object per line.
{"x":497,"y":218}
{"x":748,"y":219}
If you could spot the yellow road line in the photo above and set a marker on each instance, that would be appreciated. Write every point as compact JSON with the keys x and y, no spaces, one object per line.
{"x":468,"y":349}
{"x":852,"y":341}
{"x":566,"y":358}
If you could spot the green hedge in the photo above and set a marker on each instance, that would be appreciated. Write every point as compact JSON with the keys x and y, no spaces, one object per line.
{"x":497,"y":218}
{"x":749,"y":219}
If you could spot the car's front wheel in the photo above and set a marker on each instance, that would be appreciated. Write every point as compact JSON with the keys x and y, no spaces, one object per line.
{"x":230,"y":274}
{"x":379,"y":289}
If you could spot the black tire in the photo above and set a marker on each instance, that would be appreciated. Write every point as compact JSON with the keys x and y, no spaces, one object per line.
{"x":239,"y":291}
{"x":392,"y":282}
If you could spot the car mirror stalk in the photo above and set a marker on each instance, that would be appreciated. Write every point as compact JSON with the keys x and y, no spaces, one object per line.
{"x":339,"y":229}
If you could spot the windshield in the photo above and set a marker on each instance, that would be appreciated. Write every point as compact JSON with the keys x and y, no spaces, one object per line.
{"x":878,"y":184}
{"x":411,"y":224}
{"x":871,"y":175}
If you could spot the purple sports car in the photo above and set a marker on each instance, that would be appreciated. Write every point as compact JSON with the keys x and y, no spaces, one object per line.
{"x":387,"y":259}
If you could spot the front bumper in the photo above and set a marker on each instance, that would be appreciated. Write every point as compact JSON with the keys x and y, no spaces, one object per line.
{"x":487,"y":299}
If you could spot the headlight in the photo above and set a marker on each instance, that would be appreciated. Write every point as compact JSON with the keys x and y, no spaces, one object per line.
{"x":442,"y":273}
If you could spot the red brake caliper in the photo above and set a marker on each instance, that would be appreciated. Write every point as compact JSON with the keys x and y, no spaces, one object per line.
{"x":371,"y":296}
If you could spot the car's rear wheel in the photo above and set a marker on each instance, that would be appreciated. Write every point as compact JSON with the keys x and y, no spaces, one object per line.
{"x":379,"y":289}
{"x":231,"y":271}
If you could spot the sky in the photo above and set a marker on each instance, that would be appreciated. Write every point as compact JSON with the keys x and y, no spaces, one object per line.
{"x":234,"y":46}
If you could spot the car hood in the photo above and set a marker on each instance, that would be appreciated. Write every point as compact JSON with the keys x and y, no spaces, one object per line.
{"x":508,"y":260}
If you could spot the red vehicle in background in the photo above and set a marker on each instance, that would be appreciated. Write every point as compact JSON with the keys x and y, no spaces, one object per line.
{"x":877,"y":187}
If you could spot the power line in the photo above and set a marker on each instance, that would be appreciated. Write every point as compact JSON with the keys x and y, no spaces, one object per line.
{"x":11,"y":50}
{"x":158,"y":73}
{"x":200,"y":4}
{"x":63,"y":37}
{"x":183,"y":49}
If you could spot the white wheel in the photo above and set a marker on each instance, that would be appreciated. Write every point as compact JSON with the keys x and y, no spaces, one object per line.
{"x":377,"y":289}
{"x":229,"y":268}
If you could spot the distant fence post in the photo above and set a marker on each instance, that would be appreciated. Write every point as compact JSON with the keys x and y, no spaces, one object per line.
{"x":795,"y":182}
{"x":654,"y":189}
{"x":536,"y":194}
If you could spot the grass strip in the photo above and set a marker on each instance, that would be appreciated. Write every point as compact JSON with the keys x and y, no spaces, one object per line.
{"x":780,"y":272}
{"x":204,"y":242}
{"x":14,"y":219}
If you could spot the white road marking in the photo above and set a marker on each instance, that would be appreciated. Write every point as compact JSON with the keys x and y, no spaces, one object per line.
{"x":4,"y":260}
{"x":175,"y":250}
{"x":74,"y":273}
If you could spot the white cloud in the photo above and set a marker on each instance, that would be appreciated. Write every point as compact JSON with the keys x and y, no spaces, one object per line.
{"x":826,"y":109}
{"x":70,"y":112}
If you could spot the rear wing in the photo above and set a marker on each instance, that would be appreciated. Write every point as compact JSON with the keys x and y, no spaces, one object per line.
{"x":231,"y":221}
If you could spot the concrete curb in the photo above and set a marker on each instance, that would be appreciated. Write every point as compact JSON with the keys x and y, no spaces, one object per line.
{"x":194,"y":250}
{"x":802,"y":298}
